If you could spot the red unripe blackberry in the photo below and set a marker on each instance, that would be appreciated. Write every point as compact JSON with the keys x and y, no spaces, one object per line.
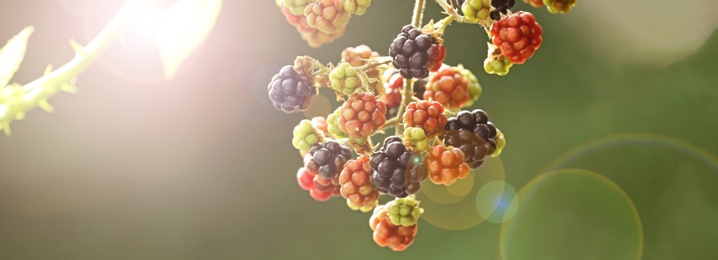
{"x":393,"y":90}
{"x":449,"y":87}
{"x":473,"y":133}
{"x":397,"y":170}
{"x":386,"y":234}
{"x":327,"y":158}
{"x":305,"y":178}
{"x":415,"y":53}
{"x":517,"y":35}
{"x":316,"y":38}
{"x":357,"y":185}
{"x":291,"y":92}
{"x":361,"y":115}
{"x":324,"y":187}
{"x":446,"y":165}
{"x":427,"y":115}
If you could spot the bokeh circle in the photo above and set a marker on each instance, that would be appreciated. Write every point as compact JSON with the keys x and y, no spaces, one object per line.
{"x":573,"y":214}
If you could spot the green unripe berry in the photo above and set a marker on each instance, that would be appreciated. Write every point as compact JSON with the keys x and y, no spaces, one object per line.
{"x":404,"y":211}
{"x":346,"y":79}
{"x":475,"y":10}
{"x":304,"y":136}
{"x":415,"y":139}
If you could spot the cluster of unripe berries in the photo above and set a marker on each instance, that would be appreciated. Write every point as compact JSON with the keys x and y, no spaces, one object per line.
{"x":411,"y":90}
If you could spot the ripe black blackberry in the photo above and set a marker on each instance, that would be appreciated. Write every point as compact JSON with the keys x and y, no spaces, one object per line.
{"x":415,"y":53}
{"x":473,"y":133}
{"x":290,"y":92}
{"x":328,"y":158}
{"x":397,"y":171}
{"x":501,"y":7}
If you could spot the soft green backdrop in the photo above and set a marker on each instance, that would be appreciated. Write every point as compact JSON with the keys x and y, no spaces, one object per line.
{"x":201,"y":167}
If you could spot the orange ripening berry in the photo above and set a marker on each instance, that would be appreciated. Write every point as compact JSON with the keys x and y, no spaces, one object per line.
{"x":446,"y":165}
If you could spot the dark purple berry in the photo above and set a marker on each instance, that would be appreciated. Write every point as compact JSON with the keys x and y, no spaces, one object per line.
{"x":397,"y":171}
{"x":289,"y":92}
{"x":328,"y":158}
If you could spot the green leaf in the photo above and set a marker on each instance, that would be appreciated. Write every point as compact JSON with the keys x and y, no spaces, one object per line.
{"x":12,"y":54}
{"x":184,"y":27}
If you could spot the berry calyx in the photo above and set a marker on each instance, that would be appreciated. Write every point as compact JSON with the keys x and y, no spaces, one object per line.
{"x":449,"y":87}
{"x":446,"y":165}
{"x":404,"y":211}
{"x":559,"y":6}
{"x":397,"y":170}
{"x":386,"y":234}
{"x":427,"y":115}
{"x":361,"y":55}
{"x":496,"y":63}
{"x":415,"y":139}
{"x":305,"y":136}
{"x":357,"y":185}
{"x":414,"y":53}
{"x":517,"y":35}
{"x":361,"y":115}
{"x":327,"y":16}
{"x":357,"y":7}
{"x":327,"y":158}
{"x":346,"y":79}
{"x":291,"y":92}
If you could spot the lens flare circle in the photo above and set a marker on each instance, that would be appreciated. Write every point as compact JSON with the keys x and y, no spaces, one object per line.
{"x":572,"y":214}
{"x":497,"y":202}
{"x":451,"y":212}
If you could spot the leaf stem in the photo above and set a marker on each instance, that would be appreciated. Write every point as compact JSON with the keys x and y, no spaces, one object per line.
{"x":38,"y":91}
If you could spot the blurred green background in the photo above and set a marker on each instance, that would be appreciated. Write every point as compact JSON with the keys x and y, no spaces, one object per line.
{"x":611,"y":130}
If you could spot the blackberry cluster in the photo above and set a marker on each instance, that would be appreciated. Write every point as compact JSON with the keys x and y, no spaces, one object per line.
{"x":290,"y":92}
{"x":473,"y":133}
{"x":502,"y":7}
{"x":415,"y":53}
{"x":328,"y":158}
{"x":397,"y":170}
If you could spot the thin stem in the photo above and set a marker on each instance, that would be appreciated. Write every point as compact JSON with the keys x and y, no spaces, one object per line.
{"x":418,"y":13}
{"x":38,"y":91}
{"x":408,"y":93}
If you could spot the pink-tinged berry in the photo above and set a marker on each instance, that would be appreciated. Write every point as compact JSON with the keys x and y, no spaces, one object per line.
{"x":305,"y":178}
{"x":518,"y":36}
{"x":328,"y":16}
{"x":361,"y":115}
{"x":316,"y":38}
{"x":386,"y":234}
{"x":357,"y":185}
{"x":449,"y":87}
